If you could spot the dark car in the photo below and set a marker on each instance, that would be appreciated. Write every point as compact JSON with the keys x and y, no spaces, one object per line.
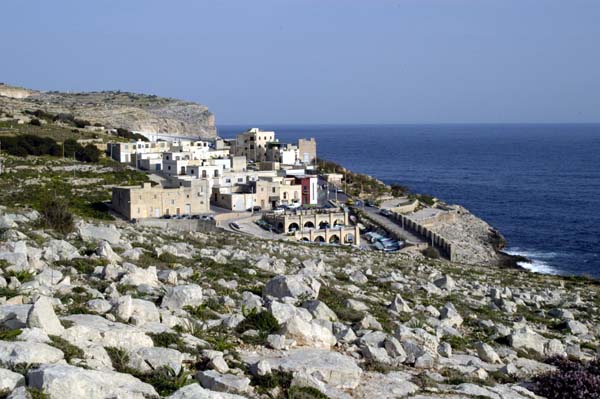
{"x":234,"y":225}
{"x":195,"y":216}
{"x":167,"y":216}
{"x":255,"y":208}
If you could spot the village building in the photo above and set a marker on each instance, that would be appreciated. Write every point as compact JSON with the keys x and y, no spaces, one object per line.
{"x":147,"y":201}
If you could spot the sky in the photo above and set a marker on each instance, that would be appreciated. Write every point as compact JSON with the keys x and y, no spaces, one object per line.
{"x":319,"y":61}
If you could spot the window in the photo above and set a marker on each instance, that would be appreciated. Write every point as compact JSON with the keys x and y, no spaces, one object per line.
{"x":187,"y":196}
{"x":273,"y":189}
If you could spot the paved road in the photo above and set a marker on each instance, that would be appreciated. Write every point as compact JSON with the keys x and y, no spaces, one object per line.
{"x":392,"y":226}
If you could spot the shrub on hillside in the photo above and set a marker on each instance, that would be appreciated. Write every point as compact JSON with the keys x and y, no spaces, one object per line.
{"x":57,"y":216}
{"x":571,"y":380}
{"x":35,"y":122}
{"x":431,"y":253}
{"x":89,"y":153}
{"x":28,"y":144}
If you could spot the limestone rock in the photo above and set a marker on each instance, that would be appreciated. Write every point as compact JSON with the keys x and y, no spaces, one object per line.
{"x":308,"y":333}
{"x":295,"y":286}
{"x":223,"y":382}
{"x":196,"y":391}
{"x":182,"y":295}
{"x":9,"y":380}
{"x":28,"y":352}
{"x":42,"y":315}
{"x":64,"y":381}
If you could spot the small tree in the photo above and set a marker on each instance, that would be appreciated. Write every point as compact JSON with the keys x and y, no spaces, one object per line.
{"x":56,"y":216}
{"x":35,"y":122}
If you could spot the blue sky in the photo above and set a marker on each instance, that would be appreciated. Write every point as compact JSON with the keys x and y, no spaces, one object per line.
{"x":321,"y":61}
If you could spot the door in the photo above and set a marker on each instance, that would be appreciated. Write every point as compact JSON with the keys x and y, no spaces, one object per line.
{"x":178,"y":211}
{"x":188,"y":209}
{"x":156,"y":212}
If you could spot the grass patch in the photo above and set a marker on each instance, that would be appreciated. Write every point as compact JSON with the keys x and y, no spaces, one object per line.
{"x":70,"y":351}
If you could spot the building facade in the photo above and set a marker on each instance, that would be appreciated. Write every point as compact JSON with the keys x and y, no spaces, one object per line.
{"x":147,"y":201}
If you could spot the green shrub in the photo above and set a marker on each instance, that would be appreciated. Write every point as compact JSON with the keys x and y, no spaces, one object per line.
{"x":35,"y":122}
{"x":264,"y":322}
{"x":56,"y":216}
{"x":10,"y":335}
{"x":70,"y":351}
{"x":431,"y":253}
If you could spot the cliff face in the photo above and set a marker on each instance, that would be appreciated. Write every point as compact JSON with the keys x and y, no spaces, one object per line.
{"x":114,"y":109}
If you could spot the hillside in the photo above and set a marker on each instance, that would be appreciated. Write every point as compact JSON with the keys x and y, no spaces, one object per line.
{"x":115,"y":109}
{"x":127,"y":311}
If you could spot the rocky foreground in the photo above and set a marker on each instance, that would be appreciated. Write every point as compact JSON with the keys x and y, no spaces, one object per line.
{"x":133,"y":312}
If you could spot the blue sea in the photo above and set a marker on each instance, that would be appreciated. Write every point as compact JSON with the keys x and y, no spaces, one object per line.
{"x":538,"y":184}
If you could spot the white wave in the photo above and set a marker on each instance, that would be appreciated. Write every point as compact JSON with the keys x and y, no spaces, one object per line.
{"x":538,"y":260}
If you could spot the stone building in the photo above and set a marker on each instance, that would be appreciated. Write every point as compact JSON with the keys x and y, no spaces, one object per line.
{"x":147,"y":201}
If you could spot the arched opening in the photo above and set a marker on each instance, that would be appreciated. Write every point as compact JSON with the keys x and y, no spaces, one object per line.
{"x":309,"y":225}
{"x":293,"y":227}
{"x":349,"y":239}
{"x":338,"y":222}
{"x":204,"y":174}
{"x":324,"y":225}
{"x":216,"y":172}
{"x":305,"y":239}
{"x":334,"y":239}
{"x":319,"y":239}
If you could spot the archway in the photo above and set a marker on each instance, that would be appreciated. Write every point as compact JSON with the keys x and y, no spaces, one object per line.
{"x":305,"y":239}
{"x":338,"y":222}
{"x":349,"y":238}
{"x":293,"y":227}
{"x":324,"y":225}
{"x":334,"y":239}
{"x":309,"y":225}
{"x":319,"y":239}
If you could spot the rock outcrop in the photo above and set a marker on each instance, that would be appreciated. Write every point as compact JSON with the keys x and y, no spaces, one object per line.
{"x":116,"y":109}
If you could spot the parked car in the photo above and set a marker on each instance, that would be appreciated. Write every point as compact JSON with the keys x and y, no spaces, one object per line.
{"x":294,"y":205}
{"x":167,"y":216}
{"x":278,"y":211}
{"x":195,"y":216}
{"x":185,"y":217}
{"x":255,"y":208}
{"x":234,"y":225}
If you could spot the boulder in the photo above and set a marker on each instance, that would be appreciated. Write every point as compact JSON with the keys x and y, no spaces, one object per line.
{"x":195,"y":391}
{"x":55,"y":250}
{"x":64,"y":381}
{"x":94,"y":233}
{"x":445,"y":283}
{"x":41,"y":315}
{"x":525,"y":338}
{"x":9,"y":380}
{"x":295,"y":286}
{"x":105,"y":251}
{"x":308,"y":333}
{"x":148,"y":359}
{"x":487,"y":353}
{"x":399,"y":305}
{"x":182,"y":295}
{"x":320,"y":310}
{"x":330,"y":367}
{"x":28,"y":352}
{"x":137,"y":276}
{"x":450,"y":316}
{"x":214,"y":381}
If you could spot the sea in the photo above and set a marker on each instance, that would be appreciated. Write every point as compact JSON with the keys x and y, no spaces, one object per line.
{"x":538,"y":184}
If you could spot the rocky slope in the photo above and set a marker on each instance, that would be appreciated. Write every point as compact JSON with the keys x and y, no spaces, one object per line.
{"x":135,"y":312}
{"x":115,"y":109}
